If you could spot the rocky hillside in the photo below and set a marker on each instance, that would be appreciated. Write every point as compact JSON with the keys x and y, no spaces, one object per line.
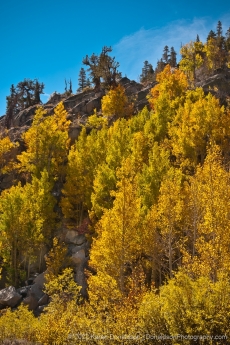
{"x":218,"y":84}
{"x":79,"y":106}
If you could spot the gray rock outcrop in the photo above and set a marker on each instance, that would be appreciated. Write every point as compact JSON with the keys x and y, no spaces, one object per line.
{"x":78,"y":106}
{"x":78,"y":248}
{"x":9,"y":297}
{"x":217,"y":84}
{"x":35,"y":295}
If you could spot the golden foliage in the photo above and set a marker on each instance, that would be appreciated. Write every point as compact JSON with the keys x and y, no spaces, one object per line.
{"x":26,"y":222}
{"x":6,"y":150}
{"x":116,"y":103}
{"x":157,"y":187}
{"x":192,"y":58}
{"x":47,"y":143}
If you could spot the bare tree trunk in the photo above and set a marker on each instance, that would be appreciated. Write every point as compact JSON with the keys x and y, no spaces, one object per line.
{"x":170,"y":255}
{"x":15,"y":261}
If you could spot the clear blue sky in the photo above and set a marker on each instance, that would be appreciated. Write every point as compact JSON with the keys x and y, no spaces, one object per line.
{"x":47,"y":39}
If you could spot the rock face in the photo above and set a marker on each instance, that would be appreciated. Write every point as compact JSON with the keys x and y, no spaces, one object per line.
{"x":78,"y":106}
{"x":78,"y":250}
{"x":40,"y":280}
{"x":219,"y":78}
{"x":84,"y":103}
{"x":35,"y":296}
{"x":9,"y":297}
{"x":218,"y":84}
{"x":71,"y":236}
{"x":25,"y":117}
{"x":137,"y":91}
{"x":81,"y":105}
{"x":31,"y":295}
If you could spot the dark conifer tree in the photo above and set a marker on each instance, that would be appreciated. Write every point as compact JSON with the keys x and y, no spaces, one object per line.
{"x":145,"y":70}
{"x":82,"y":81}
{"x":165,"y":56}
{"x":160,"y":66}
{"x":219,"y":30}
{"x":147,"y":74}
{"x":103,"y":68}
{"x":11,"y":101}
{"x":70,"y":87}
{"x":227,"y":39}
{"x":26,"y":94}
{"x":68,"y":90}
{"x":172,"y":59}
{"x":38,"y":90}
{"x":151,"y":71}
{"x":211,"y":35}
{"x":65,"y":86}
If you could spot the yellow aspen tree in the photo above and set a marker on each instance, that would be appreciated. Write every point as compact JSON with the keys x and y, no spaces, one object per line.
{"x":47,"y":143}
{"x":151,"y":175}
{"x":55,"y":259}
{"x":83,"y":160}
{"x":195,"y":307}
{"x":199,"y":121}
{"x":19,"y":324}
{"x":7,"y":147}
{"x":108,"y":313}
{"x":11,"y":205}
{"x":170,"y":216}
{"x":165,"y":98}
{"x":192,"y":58}
{"x":38,"y":217}
{"x":59,"y":323}
{"x":115,"y":103}
{"x":119,"y":232}
{"x":61,"y":314}
{"x":85,"y":171}
{"x":192,"y":217}
{"x":152,"y":246}
{"x":139,"y":150}
{"x":215,"y":56}
{"x":118,"y":147}
{"x":98,"y":313}
{"x":152,"y":320}
{"x":126,"y":325}
{"x":26,"y":221}
{"x":119,"y":143}
{"x":212,"y":240}
{"x":172,"y":82}
{"x":104,"y":182}
{"x":137,"y":123}
{"x":96,"y":121}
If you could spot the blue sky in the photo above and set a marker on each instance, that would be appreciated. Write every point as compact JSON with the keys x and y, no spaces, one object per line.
{"x":47,"y":39}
